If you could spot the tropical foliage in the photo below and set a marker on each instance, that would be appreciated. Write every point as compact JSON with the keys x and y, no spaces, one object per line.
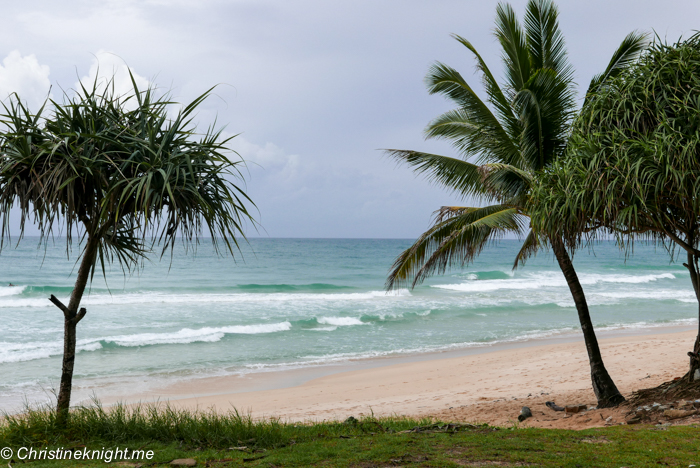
{"x":121,"y":174}
{"x":633,"y":165}
{"x":504,"y":144}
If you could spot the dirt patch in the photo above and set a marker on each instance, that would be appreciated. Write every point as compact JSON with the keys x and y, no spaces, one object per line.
{"x":504,"y":413}
{"x":677,"y":389}
{"x":599,"y":440}
{"x":487,"y":463}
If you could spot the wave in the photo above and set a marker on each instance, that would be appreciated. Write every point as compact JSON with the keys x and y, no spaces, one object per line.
{"x":12,"y":352}
{"x":11,"y":290}
{"x":616,"y":297}
{"x":340,"y":321}
{"x":331,"y":358}
{"x":486,"y":275}
{"x":627,"y":279}
{"x":291,"y":287}
{"x":163,"y":298}
{"x":525,"y":336}
{"x":643,"y":325}
{"x":550,"y":279}
{"x":55,"y":290}
{"x":188,"y":335}
{"x":43,"y":291}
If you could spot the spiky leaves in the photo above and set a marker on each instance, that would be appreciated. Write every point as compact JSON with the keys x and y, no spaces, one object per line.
{"x":633,"y":164}
{"x":120,"y":169}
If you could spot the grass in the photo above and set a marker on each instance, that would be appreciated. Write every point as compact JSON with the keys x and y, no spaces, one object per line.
{"x":232,"y":439}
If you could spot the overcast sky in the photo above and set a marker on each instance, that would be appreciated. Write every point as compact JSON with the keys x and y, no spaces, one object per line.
{"x":315,"y":88}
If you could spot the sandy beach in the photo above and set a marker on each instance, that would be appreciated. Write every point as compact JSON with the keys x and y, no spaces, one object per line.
{"x":489,"y":387}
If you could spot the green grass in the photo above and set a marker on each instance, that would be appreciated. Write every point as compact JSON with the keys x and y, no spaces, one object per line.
{"x":217,"y":440}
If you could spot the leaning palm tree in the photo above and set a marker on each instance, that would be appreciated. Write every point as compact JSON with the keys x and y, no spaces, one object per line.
{"x":523,"y":131}
{"x":124,"y":177}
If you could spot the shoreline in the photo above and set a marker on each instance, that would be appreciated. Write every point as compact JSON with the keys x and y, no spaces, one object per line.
{"x":485,"y":384}
{"x":285,"y":377}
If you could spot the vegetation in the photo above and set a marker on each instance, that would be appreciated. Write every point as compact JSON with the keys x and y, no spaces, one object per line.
{"x":122,"y":175}
{"x":633,"y":165}
{"x":222,"y":440}
{"x":523,"y":132}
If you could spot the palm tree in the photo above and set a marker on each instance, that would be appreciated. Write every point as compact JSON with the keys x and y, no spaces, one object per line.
{"x":524,"y":131}
{"x":124,"y":177}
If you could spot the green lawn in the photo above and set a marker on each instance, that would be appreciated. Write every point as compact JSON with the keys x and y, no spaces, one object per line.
{"x":234,"y":440}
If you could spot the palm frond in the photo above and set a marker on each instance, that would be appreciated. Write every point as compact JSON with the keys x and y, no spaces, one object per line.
{"x":546,"y":105}
{"x":454,"y":174}
{"x":627,"y":53}
{"x":513,"y":40}
{"x":545,"y":40}
{"x":495,"y":95}
{"x":457,"y":236}
{"x":531,"y":245}
{"x":506,"y":182}
{"x":483,"y":133}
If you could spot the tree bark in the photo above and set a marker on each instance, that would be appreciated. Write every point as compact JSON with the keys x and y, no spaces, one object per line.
{"x":71,"y":318}
{"x":603,"y":386}
{"x":692,"y":267}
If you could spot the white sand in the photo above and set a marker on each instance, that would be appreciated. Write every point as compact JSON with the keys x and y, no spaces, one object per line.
{"x":489,"y":387}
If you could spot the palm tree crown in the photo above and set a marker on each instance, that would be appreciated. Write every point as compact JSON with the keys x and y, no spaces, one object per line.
{"x":505,"y":144}
{"x":118,"y":169}
{"x":523,"y":130}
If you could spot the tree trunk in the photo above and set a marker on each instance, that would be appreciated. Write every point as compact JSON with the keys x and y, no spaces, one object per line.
{"x":603,"y":386}
{"x":71,"y":318}
{"x":692,"y":267}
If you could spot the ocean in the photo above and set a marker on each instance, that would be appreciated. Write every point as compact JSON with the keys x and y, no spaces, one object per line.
{"x":290,"y":303}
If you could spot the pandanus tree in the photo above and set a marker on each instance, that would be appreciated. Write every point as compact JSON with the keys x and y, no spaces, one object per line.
{"x":503,"y":144}
{"x":633,"y":162}
{"x":125,"y":175}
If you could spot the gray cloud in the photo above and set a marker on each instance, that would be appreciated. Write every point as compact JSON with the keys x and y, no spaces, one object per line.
{"x":315,"y":88}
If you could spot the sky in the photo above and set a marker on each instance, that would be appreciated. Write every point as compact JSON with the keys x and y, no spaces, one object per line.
{"x":313,"y":89}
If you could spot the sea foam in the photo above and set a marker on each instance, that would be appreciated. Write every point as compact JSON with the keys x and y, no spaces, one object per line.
{"x":340,"y":321}
{"x":12,"y":352}
{"x":161,"y":298}
{"x":549,"y":279}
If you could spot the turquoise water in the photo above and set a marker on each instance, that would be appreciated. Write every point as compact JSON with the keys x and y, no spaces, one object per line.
{"x":304,"y":302}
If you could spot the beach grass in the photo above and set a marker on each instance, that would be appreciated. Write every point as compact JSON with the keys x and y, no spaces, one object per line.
{"x":234,"y":439}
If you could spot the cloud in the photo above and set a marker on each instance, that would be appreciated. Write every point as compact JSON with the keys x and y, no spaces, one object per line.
{"x":108,"y":69}
{"x":316,"y":86}
{"x":271,"y":168}
{"x":268,"y":156}
{"x":26,"y":77}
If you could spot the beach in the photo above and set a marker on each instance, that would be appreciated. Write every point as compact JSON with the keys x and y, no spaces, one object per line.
{"x":487,"y":387}
{"x":304,"y":314}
